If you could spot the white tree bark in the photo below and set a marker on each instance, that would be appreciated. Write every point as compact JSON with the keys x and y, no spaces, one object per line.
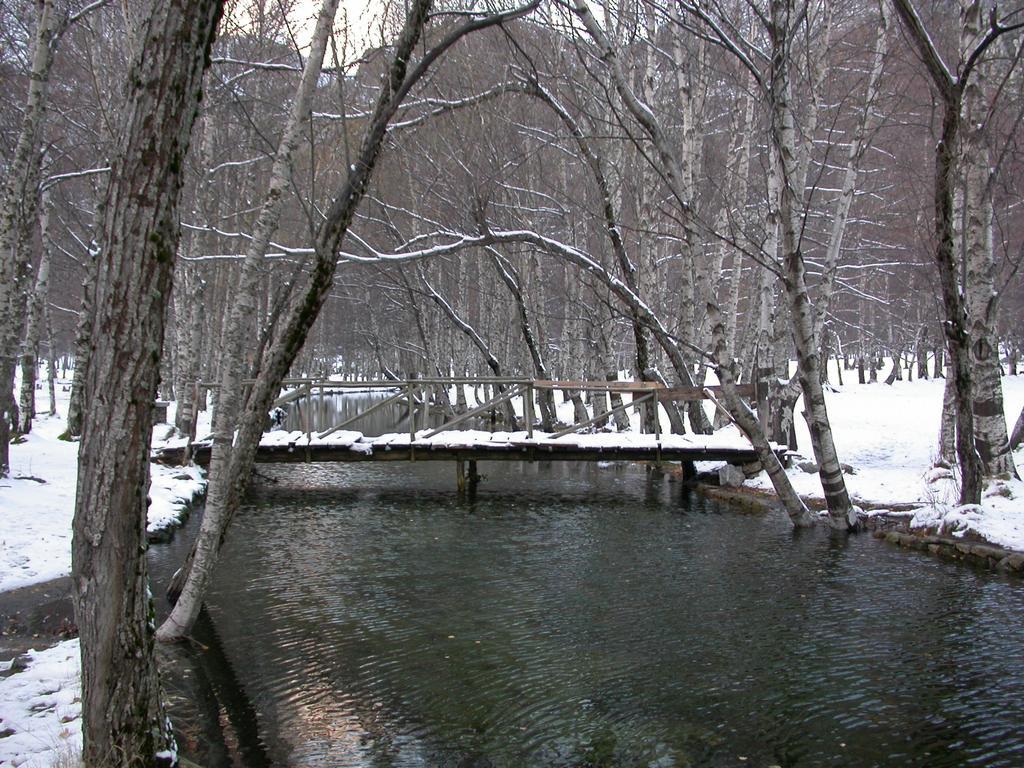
{"x":957,"y":322}
{"x":842,"y":514}
{"x":36,"y":324}
{"x":980,"y":296}
{"x":510,"y":277}
{"x":17,"y":216}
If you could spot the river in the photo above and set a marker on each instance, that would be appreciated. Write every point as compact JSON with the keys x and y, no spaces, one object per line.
{"x":581,"y":615}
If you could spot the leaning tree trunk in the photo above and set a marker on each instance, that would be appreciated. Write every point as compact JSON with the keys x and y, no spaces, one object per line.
{"x":609,"y":211}
{"x":124,"y":722}
{"x":1017,"y":436}
{"x":306,"y":302}
{"x":478,"y":342}
{"x":747,"y":421}
{"x":244,"y":296}
{"x":17,"y":210}
{"x":842,"y":515}
{"x":429,"y":354}
{"x":669,"y":169}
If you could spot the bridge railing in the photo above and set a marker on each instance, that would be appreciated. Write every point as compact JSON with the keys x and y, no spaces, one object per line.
{"x":416,"y":393}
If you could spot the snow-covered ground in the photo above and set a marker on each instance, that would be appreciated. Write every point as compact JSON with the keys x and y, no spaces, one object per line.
{"x":40,"y":706}
{"x":890,"y":435}
{"x":887,"y":433}
{"x":41,"y":709}
{"x":37,"y":502}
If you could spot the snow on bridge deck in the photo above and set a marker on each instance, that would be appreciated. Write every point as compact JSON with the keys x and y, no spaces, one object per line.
{"x":348,"y":446}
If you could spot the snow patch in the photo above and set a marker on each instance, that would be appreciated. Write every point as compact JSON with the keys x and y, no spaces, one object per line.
{"x":41,"y":708}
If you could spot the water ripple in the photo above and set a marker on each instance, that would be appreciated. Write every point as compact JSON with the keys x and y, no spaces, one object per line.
{"x":592,"y":617}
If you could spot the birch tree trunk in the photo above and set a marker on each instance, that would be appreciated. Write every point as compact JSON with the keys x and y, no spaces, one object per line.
{"x":510,"y":278}
{"x":51,"y":360}
{"x":669,"y":166}
{"x":740,"y":202}
{"x":17,"y":215}
{"x":980,"y":296}
{"x":747,"y":421}
{"x":613,"y":231}
{"x":83,"y":345}
{"x":123,"y":718}
{"x":842,"y":515}
{"x":189,"y":297}
{"x":36,"y":322}
{"x":957,"y":321}
{"x":478,"y":342}
{"x":956,"y":325}
{"x":234,"y":343}
{"x":607,"y":361}
{"x":947,"y":423}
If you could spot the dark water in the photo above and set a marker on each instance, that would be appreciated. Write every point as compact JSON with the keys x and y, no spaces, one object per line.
{"x":587,"y":616}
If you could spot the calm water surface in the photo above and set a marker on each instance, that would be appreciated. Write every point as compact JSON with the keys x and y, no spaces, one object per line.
{"x":591,"y":616}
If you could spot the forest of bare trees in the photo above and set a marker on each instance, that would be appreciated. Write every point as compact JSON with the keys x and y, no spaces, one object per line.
{"x":558,"y":190}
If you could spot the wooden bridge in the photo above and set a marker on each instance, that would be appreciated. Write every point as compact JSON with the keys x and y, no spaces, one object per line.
{"x":503,"y":441}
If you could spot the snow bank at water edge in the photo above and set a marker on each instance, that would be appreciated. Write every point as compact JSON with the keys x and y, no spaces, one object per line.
{"x":41,"y":708}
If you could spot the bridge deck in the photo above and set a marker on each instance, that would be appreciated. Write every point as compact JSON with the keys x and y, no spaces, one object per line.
{"x":475,"y":445}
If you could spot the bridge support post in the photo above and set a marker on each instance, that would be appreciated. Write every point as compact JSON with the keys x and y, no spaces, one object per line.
{"x":474,"y":476}
{"x":460,"y":476}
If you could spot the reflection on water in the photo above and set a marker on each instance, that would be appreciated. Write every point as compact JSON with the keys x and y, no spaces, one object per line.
{"x":331,"y":409}
{"x":583,"y":616}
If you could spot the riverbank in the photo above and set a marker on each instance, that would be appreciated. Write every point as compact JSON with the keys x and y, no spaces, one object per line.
{"x":40,"y":702}
{"x":888,"y":435}
{"x":37,"y":502}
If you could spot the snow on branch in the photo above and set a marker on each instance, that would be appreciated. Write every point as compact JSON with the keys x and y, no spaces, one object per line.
{"x":285,"y":250}
{"x":52,"y":181}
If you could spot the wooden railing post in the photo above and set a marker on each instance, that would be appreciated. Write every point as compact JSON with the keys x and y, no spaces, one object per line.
{"x":657,"y":416}
{"x":412,"y":411}
{"x":307,"y":418}
{"x":528,"y":409}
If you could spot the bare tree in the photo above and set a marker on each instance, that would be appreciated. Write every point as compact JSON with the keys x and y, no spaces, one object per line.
{"x":123,"y":718}
{"x":950,"y":88}
{"x":308,"y":298}
{"x":17,"y":219}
